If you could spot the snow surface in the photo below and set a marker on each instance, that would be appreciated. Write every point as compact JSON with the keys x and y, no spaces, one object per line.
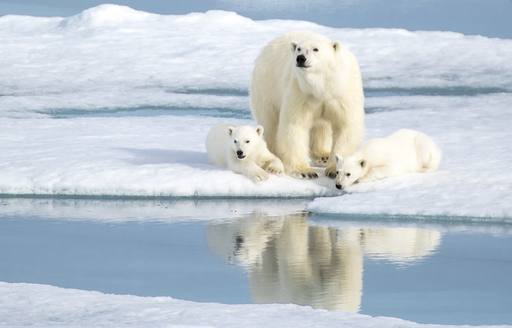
{"x":136,"y":156}
{"x":47,"y":306}
{"x":474,"y":179}
{"x":117,"y":102}
{"x":114,"y":56}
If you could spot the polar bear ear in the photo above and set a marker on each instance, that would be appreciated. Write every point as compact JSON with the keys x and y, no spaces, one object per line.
{"x":336,"y":45}
{"x":362,"y":163}
{"x":339,"y":159}
{"x":230,"y":130}
{"x":259,"y":130}
{"x":294,"y":46}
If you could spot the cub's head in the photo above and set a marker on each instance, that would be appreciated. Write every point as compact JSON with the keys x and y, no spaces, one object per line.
{"x":314,"y":54}
{"x":349,"y":171}
{"x":244,"y":140}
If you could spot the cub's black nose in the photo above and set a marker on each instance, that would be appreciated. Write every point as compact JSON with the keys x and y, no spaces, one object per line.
{"x":239,"y":153}
{"x":339,"y":186}
{"x":301,"y":60}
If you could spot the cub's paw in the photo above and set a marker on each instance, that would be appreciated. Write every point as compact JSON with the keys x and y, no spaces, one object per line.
{"x":330,"y":171}
{"x":275,"y":168}
{"x":259,"y":176}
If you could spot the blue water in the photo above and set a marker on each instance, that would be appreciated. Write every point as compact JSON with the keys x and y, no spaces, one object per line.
{"x":433,"y":273}
{"x":147,"y":259}
{"x":225,"y":112}
{"x":489,"y":18}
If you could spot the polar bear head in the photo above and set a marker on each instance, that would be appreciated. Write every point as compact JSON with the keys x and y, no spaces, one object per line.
{"x":314,"y":53}
{"x":245,"y":140}
{"x":350,"y":170}
{"x":243,"y":241}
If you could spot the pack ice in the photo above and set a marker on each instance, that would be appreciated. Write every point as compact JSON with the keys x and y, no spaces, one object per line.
{"x":117,"y":102}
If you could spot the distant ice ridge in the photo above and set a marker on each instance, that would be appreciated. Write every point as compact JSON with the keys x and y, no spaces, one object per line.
{"x":47,"y":306}
{"x":114,"y":56}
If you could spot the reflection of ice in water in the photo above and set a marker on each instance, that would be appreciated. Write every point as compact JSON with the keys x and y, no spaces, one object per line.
{"x":401,"y":245}
{"x":290,"y":261}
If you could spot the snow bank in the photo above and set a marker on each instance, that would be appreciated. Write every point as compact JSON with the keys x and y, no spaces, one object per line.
{"x":46,"y":306}
{"x":136,"y":156}
{"x":147,"y":210}
{"x":442,"y":225}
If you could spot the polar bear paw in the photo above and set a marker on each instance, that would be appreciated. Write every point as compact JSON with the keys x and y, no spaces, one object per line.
{"x":320,"y":157}
{"x":330,"y":171}
{"x":306,"y":173}
{"x":275,"y":167}
{"x":259,"y":176}
{"x":321,"y":161}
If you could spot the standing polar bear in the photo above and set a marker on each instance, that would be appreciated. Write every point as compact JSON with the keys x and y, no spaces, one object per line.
{"x":307,"y":93}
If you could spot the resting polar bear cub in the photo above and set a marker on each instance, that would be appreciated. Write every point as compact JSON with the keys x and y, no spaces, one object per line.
{"x":307,"y":92}
{"x":404,"y":151}
{"x":242,"y":150}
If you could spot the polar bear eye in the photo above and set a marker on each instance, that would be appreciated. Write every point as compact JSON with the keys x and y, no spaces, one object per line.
{"x":236,"y":141}
{"x":247,"y":141}
{"x":347,"y":175}
{"x":298,"y":49}
{"x":315,"y":49}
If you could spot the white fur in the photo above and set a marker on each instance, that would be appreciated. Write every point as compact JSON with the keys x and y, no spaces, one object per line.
{"x":315,"y":111}
{"x":405,"y":151}
{"x":224,"y":141}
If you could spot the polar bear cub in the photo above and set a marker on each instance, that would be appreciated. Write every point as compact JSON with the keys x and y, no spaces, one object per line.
{"x":404,"y":151}
{"x":243,"y":150}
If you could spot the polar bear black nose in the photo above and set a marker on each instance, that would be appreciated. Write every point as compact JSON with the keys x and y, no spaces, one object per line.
{"x":239,"y":153}
{"x":301,"y":59}
{"x":339,"y":186}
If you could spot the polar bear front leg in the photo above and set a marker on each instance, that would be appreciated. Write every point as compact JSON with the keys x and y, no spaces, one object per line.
{"x":250,"y":170}
{"x":347,"y":138}
{"x":271,"y":163}
{"x":293,"y":140}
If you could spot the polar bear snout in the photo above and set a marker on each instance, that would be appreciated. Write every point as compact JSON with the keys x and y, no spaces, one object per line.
{"x":339,"y":186}
{"x":301,"y":61}
{"x":240,"y":154}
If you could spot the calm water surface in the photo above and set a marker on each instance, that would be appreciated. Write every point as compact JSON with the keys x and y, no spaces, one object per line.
{"x":263,"y":252}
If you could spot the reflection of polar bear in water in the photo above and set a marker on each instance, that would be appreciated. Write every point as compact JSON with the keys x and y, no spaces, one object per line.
{"x":291,"y":262}
{"x":243,"y":241}
{"x":400,"y":244}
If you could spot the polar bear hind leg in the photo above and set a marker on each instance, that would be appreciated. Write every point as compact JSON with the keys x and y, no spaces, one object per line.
{"x":428,"y":153}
